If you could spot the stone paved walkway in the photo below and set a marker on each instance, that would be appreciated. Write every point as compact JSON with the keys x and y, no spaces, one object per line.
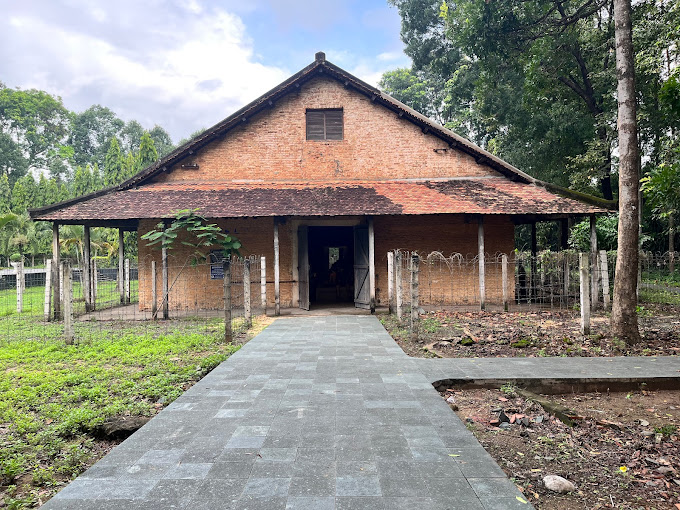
{"x":315,"y":413}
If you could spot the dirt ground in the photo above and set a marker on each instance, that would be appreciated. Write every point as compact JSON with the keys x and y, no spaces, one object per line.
{"x":622,"y":452}
{"x":454,"y":334}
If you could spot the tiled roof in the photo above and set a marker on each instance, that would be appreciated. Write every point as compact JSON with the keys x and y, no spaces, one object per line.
{"x":341,"y":198}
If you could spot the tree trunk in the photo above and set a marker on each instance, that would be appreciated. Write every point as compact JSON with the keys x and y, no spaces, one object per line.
{"x":624,"y":320}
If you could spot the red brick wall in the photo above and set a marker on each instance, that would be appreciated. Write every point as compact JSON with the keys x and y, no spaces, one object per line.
{"x":377,"y":145}
{"x":447,"y":234}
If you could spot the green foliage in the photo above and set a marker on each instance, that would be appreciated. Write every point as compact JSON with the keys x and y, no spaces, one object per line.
{"x":200,"y":235}
{"x":52,"y":395}
{"x":91,"y":134}
{"x":607,"y":234}
{"x":114,"y":170}
{"x":5,"y":194}
{"x":147,"y":151}
{"x":39,"y":125}
{"x":23,"y":194}
{"x":661,"y":188}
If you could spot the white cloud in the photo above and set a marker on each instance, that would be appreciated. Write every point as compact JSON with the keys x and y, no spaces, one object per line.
{"x":187,"y":69}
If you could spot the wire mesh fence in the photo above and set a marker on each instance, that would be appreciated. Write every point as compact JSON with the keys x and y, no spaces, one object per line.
{"x":135,"y":293}
{"x":110,"y":299}
{"x":515,"y":280}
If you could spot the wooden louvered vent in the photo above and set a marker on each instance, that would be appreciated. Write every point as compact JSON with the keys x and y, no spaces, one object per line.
{"x":324,"y":124}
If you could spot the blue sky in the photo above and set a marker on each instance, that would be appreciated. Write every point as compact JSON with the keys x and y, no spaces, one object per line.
{"x":186,"y":64}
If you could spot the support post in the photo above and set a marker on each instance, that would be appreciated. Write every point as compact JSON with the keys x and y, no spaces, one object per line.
{"x":126,"y":276}
{"x":415,"y":305}
{"x":21,"y":283}
{"x":154,"y":291}
{"x":482,"y":268}
{"x":398,"y":284}
{"x":532,"y":280}
{"x":166,"y":290}
{"x":95,"y":284}
{"x":504,"y":269}
{"x":594,"y":291}
{"x":277,"y":295}
{"x":263,"y":284}
{"x":48,"y":288}
{"x":585,"y":293}
{"x":371,"y":263}
{"x":226,"y":265}
{"x":604,"y":272}
{"x":68,"y":304}
{"x":390,"y":281}
{"x":56,"y":264}
{"x":246,"y":294}
{"x":567,"y":276}
{"x":121,"y":262}
{"x":86,"y":281}
{"x":564,"y":234}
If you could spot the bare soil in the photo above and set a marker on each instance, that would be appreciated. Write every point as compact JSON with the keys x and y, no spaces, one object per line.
{"x":455,"y":334}
{"x":622,"y":452}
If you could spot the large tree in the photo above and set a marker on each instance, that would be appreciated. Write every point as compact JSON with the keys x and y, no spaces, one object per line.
{"x":624,"y":321}
{"x":91,"y":134}
{"x":38,"y":124}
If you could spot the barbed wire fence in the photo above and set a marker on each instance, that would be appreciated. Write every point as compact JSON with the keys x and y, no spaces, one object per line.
{"x":195,"y":296}
{"x":134,"y":296}
{"x":564,"y":280}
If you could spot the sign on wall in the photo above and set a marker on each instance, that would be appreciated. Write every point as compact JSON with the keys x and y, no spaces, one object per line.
{"x":216,"y":265}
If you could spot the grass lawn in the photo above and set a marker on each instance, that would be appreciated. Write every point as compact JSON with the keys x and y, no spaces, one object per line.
{"x":53,"y":395}
{"x":34,"y":298}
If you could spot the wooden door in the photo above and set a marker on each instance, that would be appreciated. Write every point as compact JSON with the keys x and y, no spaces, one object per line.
{"x":303,"y":267}
{"x":362,"y":298}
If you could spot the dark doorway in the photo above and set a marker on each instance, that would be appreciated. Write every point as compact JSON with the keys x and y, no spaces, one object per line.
{"x":331,"y":263}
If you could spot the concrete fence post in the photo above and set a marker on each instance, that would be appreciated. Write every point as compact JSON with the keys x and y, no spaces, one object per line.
{"x":604,"y":276}
{"x":415,"y":270}
{"x":48,"y":289}
{"x":95,"y":284}
{"x":398,"y":284}
{"x":121,"y":263}
{"x":21,"y":284}
{"x":482,"y":269}
{"x":594,"y":290}
{"x":246,"y":294}
{"x":85,"y":274}
{"x":277,"y":291}
{"x":166,"y":287}
{"x":226,"y":266}
{"x":566,"y":279}
{"x":263,"y":284}
{"x":584,"y":265}
{"x":154,"y":291}
{"x":127,"y":281}
{"x":390,"y":281}
{"x":68,"y":303}
{"x":504,"y":270}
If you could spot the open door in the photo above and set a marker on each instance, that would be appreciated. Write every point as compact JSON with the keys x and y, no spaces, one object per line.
{"x":303,"y":267}
{"x":362,"y":298}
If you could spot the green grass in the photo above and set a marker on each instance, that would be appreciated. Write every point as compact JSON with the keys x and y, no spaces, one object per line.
{"x":34,"y":298}
{"x":53,"y":395}
{"x":659,"y":297}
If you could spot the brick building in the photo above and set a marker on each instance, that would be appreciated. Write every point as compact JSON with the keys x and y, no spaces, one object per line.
{"x":325,"y":170}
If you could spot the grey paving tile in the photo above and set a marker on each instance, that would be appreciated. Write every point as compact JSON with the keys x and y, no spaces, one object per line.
{"x":267,"y":487}
{"x":310,"y":503}
{"x":357,"y":486}
{"x":361,"y":503}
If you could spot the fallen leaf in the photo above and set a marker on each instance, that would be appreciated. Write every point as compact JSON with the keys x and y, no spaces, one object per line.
{"x":522,"y":500}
